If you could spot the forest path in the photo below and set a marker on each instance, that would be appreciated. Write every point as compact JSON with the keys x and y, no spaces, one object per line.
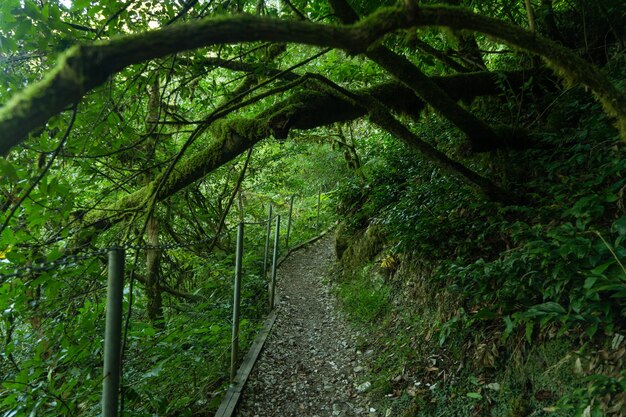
{"x":309,"y":365}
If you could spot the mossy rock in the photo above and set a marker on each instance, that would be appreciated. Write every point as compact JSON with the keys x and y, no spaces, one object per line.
{"x":342,"y":240}
{"x":362,"y":247}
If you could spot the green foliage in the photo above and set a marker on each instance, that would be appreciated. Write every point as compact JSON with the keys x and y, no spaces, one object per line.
{"x":365,"y":301}
{"x":548,"y":270}
{"x":53,"y":322}
{"x":542,"y":273}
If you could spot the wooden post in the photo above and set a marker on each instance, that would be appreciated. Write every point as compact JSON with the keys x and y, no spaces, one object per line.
{"x":274,"y":261}
{"x":113,"y":334}
{"x":268,"y":231}
{"x":234,"y":357}
{"x":289,"y":222}
{"x":319,"y":200}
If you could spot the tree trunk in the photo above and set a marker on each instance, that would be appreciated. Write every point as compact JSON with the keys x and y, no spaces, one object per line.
{"x":153,"y":284}
{"x":154,"y":307}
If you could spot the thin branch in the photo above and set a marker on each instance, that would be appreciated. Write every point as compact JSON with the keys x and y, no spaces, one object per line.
{"x":294,"y":9}
{"x":222,"y":221}
{"x":188,"y":5}
{"x":112,"y":18}
{"x":80,"y":27}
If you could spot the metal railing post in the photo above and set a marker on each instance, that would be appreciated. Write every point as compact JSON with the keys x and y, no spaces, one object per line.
{"x":289,"y":221}
{"x":234,"y":357}
{"x":274,"y":261}
{"x":113,"y":334}
{"x":267,"y":240}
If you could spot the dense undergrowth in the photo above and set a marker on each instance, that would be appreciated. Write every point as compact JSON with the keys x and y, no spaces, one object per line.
{"x":51,"y":359}
{"x":484,"y":309}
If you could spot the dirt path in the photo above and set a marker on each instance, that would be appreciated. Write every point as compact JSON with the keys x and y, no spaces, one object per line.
{"x":309,"y":366}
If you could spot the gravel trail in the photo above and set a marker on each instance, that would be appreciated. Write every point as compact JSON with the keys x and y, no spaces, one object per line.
{"x":309,"y":366}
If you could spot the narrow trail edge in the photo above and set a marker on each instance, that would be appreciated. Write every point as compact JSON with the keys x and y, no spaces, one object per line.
{"x":229,"y":404}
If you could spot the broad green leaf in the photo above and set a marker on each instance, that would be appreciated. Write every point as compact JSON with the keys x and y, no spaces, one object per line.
{"x":620,"y":226}
{"x":7,"y":170}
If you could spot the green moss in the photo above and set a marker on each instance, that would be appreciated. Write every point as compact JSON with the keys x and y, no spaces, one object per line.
{"x":30,"y":108}
{"x":518,"y":407}
{"x":363,"y":247}
{"x":251,"y":129}
{"x":381,"y":22}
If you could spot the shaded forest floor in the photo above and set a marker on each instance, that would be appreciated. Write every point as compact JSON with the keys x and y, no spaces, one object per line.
{"x":310,"y":365}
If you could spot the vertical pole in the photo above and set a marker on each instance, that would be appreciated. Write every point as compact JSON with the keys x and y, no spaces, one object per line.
{"x":268,"y":231}
{"x":113,"y":334}
{"x":289,"y":221}
{"x":274,"y":260}
{"x":319,"y":200}
{"x":236,"y":301}
{"x":531,"y":16}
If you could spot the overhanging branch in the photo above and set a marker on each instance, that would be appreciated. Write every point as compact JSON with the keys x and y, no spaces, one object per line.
{"x":303,"y":110}
{"x":480,"y":134}
{"x":84,"y":67}
{"x":565,"y":63}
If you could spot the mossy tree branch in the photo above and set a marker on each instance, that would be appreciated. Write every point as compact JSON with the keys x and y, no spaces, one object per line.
{"x":84,"y":67}
{"x":380,"y":116}
{"x":304,"y":110}
{"x":564,"y":62}
{"x":481,"y":136}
